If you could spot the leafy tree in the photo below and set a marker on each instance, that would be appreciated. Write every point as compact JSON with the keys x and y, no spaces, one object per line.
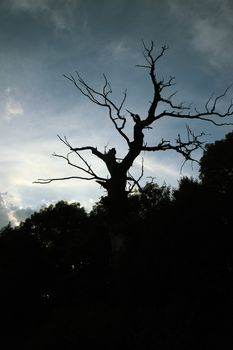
{"x":120,"y":182}
{"x":189,"y":199}
{"x":149,"y":199}
{"x":55,"y":250}
{"x":205,"y":207}
{"x":57,"y":223}
{"x":25,"y":281}
{"x":216,"y":166}
{"x":56,"y":258}
{"x":74,"y":243}
{"x":216,"y":174}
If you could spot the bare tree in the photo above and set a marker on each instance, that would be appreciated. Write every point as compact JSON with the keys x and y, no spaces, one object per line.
{"x":120,"y":182}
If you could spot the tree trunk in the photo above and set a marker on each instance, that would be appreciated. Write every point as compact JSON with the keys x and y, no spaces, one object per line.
{"x":119,"y":222}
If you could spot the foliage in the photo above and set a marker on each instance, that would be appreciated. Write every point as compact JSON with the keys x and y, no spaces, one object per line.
{"x":216,"y":171}
{"x":152,"y":198}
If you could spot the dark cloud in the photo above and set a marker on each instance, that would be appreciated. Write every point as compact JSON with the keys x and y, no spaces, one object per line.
{"x":210,"y":30}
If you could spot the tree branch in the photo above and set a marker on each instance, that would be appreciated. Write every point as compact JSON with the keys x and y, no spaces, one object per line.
{"x":135,"y":181}
{"x":101,"y":98}
{"x":47,"y":181}
{"x":88,"y":170}
{"x":185,"y":148}
{"x":179,"y":110}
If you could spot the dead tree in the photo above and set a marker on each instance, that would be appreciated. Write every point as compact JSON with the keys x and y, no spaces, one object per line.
{"x":120,"y":182}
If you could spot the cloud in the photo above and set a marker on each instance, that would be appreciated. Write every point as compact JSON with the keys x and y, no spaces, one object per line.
{"x":116,"y":49}
{"x":214,"y":41}
{"x":10,"y":212}
{"x":13,"y":107}
{"x":4,"y":217}
{"x":161,"y":170}
{"x":58,"y":13}
{"x":210,"y":27}
{"x":164,"y":168}
{"x":24,"y":163}
{"x":29,"y":5}
{"x":20,"y":214}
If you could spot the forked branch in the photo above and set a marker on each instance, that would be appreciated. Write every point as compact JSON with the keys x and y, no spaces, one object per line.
{"x":84,"y":167}
{"x":102,"y":98}
{"x":212,"y":112}
{"x":185,"y":148}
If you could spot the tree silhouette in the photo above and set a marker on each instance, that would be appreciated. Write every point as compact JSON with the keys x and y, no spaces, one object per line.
{"x":216,"y":174}
{"x":73,"y":245}
{"x":216,"y":166}
{"x":204,"y":255}
{"x":120,"y":181}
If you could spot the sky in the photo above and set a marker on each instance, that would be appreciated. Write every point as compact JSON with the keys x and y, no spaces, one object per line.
{"x":41,"y":40}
